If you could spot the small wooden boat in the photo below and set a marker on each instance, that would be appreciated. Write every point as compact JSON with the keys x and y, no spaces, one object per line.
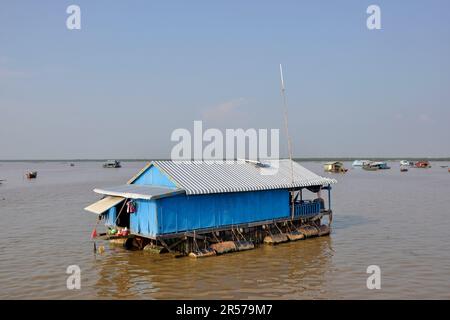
{"x":112,"y":164}
{"x":422,"y":164}
{"x":31,"y":174}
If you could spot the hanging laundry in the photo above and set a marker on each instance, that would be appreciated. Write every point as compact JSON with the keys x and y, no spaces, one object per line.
{"x":131,"y":206}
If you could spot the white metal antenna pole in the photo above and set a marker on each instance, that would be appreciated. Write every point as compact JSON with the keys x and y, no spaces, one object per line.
{"x":286,"y":125}
{"x":286,"y":122}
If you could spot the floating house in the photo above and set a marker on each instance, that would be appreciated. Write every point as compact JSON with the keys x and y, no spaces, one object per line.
{"x":360,"y":163}
{"x":335,"y":166}
{"x":185,"y":206}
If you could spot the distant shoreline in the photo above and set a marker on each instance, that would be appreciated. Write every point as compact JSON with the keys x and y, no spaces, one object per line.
{"x":296,"y":159}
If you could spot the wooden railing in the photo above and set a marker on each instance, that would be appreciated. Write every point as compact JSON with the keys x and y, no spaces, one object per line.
{"x":307,"y":209}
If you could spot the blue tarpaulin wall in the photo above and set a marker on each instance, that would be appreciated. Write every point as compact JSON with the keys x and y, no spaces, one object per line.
{"x":110,"y":217}
{"x":143,"y":221}
{"x":182,"y":213}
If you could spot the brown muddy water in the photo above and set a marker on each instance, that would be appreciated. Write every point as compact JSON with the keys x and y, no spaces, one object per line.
{"x":398,"y":221}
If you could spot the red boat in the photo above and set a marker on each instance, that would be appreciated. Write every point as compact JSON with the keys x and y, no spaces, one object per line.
{"x":422,"y":164}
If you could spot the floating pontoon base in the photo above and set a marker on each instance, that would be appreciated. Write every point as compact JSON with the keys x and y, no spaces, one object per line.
{"x":202,"y":253}
{"x":276,"y":238}
{"x":224,"y":247}
{"x":244,"y":245}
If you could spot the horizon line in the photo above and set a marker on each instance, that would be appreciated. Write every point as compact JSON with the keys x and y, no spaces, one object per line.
{"x":447,"y":158}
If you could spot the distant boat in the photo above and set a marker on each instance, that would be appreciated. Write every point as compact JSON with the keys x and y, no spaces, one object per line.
{"x":406,"y":163}
{"x":1,"y":181}
{"x":31,"y":174}
{"x":403,"y":169}
{"x":335,"y":167}
{"x":380,"y":165}
{"x":112,"y":164}
{"x":444,"y":167}
{"x":370,"y":167}
{"x":360,"y":163}
{"x":72,"y":164}
{"x":422,"y":164}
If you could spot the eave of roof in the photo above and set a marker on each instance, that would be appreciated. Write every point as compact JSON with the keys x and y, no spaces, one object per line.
{"x":133,"y":191}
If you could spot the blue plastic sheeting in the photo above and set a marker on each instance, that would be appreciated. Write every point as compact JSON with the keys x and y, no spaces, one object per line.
{"x":110,"y":217}
{"x":143,"y":221}
{"x":153,"y":176}
{"x":184,"y":213}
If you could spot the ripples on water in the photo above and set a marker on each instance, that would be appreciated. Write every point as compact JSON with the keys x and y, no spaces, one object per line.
{"x":399,"y":221}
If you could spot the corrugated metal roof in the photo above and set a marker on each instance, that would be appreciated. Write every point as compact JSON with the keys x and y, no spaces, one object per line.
{"x":103,"y":205}
{"x":134,"y":191}
{"x":199,"y":177}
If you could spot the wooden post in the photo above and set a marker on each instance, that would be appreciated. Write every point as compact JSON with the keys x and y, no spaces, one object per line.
{"x":329,"y":197}
{"x":292,"y":205}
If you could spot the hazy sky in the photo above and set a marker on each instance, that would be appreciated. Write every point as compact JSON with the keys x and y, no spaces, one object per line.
{"x":137,"y":70}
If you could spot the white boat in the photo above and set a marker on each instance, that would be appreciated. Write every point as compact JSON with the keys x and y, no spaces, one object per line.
{"x":360,"y":163}
{"x":406,"y":163}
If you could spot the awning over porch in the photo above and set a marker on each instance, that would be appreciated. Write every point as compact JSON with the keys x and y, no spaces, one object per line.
{"x":133,"y":191}
{"x":104,"y":205}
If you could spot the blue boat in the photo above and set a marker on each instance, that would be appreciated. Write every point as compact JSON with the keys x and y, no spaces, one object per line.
{"x":379,"y":165}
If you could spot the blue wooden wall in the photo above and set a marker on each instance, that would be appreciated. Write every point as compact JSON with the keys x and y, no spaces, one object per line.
{"x":153,"y":176}
{"x":182,"y":213}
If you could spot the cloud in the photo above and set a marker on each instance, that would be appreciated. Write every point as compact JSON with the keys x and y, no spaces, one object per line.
{"x":223,"y":110}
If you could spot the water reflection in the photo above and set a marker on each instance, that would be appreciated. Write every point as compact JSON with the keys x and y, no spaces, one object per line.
{"x":288,"y":270}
